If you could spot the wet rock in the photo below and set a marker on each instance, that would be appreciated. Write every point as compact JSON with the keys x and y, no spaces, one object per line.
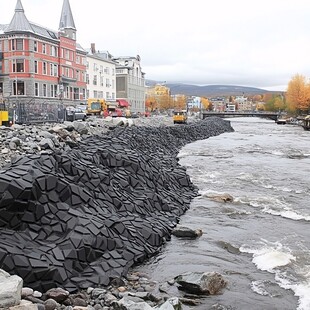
{"x":185,"y":232}
{"x":221,"y":198}
{"x":208,"y":283}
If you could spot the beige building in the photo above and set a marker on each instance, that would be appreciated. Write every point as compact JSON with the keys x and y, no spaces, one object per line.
{"x":130,"y":82}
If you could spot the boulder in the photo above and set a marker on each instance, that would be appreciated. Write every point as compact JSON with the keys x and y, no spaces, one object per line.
{"x":201,"y":283}
{"x":10,"y":289}
{"x":185,"y":232}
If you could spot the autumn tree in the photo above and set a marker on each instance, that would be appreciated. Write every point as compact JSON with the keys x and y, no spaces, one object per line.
{"x":205,"y":103}
{"x":165,"y":102}
{"x":298,"y":94}
{"x":151,"y":103}
{"x":257,"y":98}
{"x":275,"y":103}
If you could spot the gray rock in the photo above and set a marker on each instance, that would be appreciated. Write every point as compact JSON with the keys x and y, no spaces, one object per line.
{"x":10,"y":289}
{"x":185,"y":232}
{"x":208,"y":283}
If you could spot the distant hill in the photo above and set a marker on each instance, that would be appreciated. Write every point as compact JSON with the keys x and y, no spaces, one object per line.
{"x":211,"y":90}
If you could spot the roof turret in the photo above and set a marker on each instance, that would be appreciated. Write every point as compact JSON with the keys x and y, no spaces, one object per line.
{"x":19,"y":21}
{"x":66,"y":19}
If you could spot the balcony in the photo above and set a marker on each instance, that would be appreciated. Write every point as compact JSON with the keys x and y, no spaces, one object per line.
{"x":66,"y":80}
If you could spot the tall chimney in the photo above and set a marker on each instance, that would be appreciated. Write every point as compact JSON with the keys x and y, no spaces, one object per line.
{"x":93,"y":48}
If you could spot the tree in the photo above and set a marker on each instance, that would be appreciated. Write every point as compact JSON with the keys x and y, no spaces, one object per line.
{"x":151,"y":103}
{"x":205,"y":103}
{"x":275,"y":103}
{"x":298,"y":94}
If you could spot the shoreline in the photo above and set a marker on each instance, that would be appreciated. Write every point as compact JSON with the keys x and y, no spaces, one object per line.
{"x":104,"y":206}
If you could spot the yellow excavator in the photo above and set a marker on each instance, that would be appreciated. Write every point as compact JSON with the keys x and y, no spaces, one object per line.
{"x":95,"y":106}
{"x":180,"y":117}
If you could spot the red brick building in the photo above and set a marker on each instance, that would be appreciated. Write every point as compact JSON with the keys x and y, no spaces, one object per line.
{"x":39,"y":65}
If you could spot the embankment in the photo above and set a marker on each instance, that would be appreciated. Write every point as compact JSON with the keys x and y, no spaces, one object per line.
{"x":81,"y":217}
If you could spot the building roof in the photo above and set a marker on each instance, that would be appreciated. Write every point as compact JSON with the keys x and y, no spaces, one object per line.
{"x":66,"y":19}
{"x":19,"y":22}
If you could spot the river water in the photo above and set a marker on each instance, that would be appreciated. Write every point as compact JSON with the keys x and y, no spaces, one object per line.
{"x":259,"y":242}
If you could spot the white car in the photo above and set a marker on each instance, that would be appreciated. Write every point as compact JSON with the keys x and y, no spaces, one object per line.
{"x":74,"y":114}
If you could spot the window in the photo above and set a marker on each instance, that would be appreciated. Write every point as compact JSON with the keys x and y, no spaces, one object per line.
{"x":35,"y":66}
{"x":101,"y":80}
{"x":44,"y":48}
{"x":107,"y":83}
{"x":17,"y":44}
{"x":95,"y":67}
{"x":55,"y":70}
{"x":36,"y":89}
{"x":76,"y":93}
{"x":44,"y":90}
{"x":77,"y":59}
{"x":87,"y":78}
{"x":53,"y":90}
{"x":18,"y":65}
{"x":54,"y":51}
{"x":95,"y":80}
{"x":18,"y":88}
{"x":95,"y":94}
{"x":51,"y":69}
{"x":44,"y":68}
{"x":35,"y":46}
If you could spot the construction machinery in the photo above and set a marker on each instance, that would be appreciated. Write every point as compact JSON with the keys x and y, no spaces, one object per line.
{"x":180,"y":117}
{"x":95,"y":106}
{"x":4,"y":115}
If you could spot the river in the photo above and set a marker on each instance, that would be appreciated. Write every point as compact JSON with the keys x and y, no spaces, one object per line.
{"x":259,"y":242}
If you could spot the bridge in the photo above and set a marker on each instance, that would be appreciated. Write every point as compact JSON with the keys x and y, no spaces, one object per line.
{"x":271,"y":115}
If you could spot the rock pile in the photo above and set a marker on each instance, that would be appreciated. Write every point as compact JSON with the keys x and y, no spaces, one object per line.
{"x":79,"y":217}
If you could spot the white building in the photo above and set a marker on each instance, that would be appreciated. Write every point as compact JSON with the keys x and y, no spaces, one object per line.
{"x":101,"y":75}
{"x":130,"y":82}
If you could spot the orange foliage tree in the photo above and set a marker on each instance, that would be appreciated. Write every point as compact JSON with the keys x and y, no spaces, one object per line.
{"x":298,"y":94}
{"x":180,"y":102}
{"x":151,"y":103}
{"x":205,"y":103}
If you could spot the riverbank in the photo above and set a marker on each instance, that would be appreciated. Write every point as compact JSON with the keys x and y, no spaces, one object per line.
{"x":89,"y":211}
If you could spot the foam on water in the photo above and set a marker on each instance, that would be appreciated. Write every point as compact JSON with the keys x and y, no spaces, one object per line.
{"x":287,"y":213}
{"x":273,"y":206}
{"x":274,"y":257}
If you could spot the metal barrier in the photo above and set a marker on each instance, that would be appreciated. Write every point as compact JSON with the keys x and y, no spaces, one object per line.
{"x":32,"y":112}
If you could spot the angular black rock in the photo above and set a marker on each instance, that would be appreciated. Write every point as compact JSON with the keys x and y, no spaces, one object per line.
{"x":82,"y":217}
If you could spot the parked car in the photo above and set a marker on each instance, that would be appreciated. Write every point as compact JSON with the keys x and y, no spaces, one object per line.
{"x":75,"y":114}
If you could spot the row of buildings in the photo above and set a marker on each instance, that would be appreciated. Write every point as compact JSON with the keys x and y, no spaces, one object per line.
{"x":43,"y":66}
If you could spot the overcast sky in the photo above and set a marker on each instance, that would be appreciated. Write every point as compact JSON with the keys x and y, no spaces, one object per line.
{"x":260,"y":43}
